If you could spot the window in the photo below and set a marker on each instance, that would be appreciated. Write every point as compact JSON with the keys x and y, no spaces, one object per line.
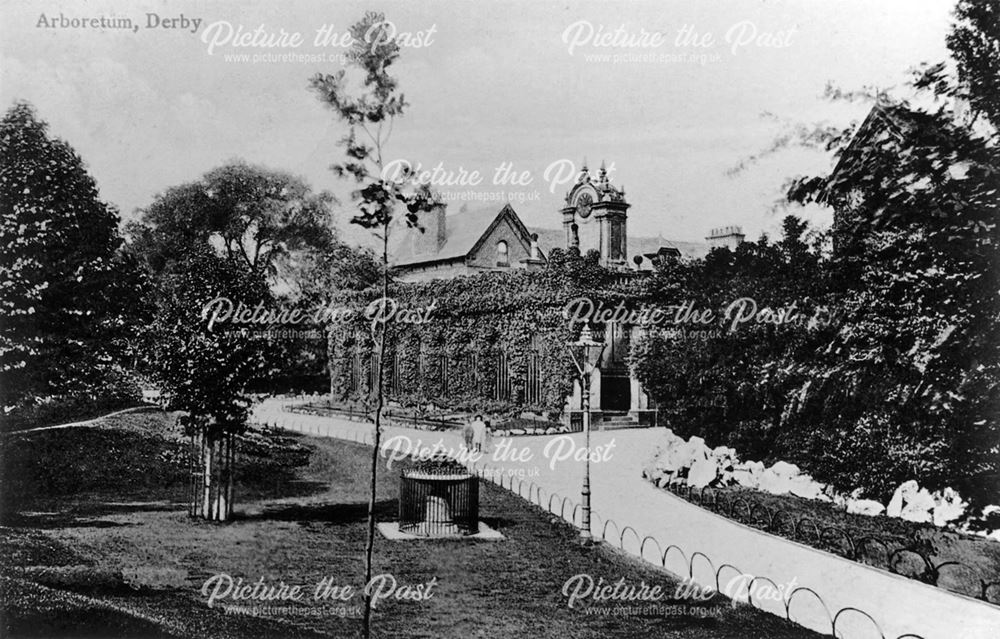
{"x":617,"y":252}
{"x":502,"y":257}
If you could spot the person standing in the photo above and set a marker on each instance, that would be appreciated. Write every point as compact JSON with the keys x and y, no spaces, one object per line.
{"x":478,"y":434}
{"x":467,"y":434}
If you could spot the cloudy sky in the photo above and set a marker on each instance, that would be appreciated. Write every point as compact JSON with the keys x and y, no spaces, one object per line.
{"x":521,"y":83}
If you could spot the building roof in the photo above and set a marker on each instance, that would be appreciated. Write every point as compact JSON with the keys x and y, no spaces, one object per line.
{"x":463,"y":231}
{"x":645,"y":245}
{"x":636,"y":244}
{"x":880,"y":121}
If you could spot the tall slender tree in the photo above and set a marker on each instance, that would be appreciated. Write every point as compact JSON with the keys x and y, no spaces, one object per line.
{"x":369,"y":113}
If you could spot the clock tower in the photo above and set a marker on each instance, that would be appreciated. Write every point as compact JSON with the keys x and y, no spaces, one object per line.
{"x":594,"y":218}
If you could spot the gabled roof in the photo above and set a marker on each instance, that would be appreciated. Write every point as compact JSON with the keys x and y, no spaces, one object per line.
{"x":881,"y":120}
{"x":465,"y":231}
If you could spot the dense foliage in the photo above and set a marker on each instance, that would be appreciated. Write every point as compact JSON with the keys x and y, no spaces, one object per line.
{"x":205,"y":370}
{"x":66,"y":290}
{"x":250,"y":235}
{"x":906,"y":382}
{"x":480,"y":337}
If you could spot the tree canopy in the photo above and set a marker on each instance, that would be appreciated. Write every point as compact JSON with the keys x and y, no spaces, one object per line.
{"x":64,"y":289}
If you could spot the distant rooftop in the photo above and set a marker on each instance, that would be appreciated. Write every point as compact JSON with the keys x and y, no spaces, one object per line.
{"x":726,"y":231}
{"x":549,"y":239}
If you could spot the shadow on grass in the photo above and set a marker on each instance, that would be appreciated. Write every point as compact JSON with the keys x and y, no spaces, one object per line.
{"x":337,"y":514}
{"x":90,"y":511}
{"x":62,"y":520}
{"x":498,"y":523}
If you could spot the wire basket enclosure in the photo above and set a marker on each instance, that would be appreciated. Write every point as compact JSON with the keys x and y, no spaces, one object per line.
{"x":438,"y":498}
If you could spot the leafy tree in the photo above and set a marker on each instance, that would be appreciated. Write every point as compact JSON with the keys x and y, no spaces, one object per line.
{"x":267,"y":223}
{"x":913,"y":390}
{"x":260,"y":219}
{"x":732,"y":384}
{"x":904,"y":383}
{"x":920,"y":361}
{"x":974,"y":43}
{"x":241,"y":232}
{"x":370,"y":112}
{"x":205,"y":370}
{"x":66,"y":291}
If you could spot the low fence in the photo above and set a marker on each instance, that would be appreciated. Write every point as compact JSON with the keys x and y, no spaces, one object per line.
{"x":801,"y":605}
{"x":695,"y":566}
{"x":395,"y":417}
{"x":904,"y":560}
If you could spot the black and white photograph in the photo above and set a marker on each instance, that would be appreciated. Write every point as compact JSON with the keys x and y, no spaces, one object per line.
{"x":500,"y":319}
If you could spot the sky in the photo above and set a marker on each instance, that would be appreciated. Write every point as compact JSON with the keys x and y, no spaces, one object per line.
{"x":537,"y":86}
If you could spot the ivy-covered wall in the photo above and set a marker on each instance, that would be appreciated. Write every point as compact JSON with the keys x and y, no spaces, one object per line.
{"x":494,"y":342}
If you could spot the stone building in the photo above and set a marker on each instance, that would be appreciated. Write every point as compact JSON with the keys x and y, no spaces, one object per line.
{"x":729,"y":237}
{"x":468,"y":242}
{"x":594,"y":217}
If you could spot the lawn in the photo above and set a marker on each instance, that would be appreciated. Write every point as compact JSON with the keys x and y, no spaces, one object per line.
{"x":96,"y":542}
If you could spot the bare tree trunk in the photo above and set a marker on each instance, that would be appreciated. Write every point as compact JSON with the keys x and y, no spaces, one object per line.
{"x":230,"y":465}
{"x":222,"y":487}
{"x":211,"y":494}
{"x":380,"y":401}
{"x":194,"y":473}
{"x":206,"y":456}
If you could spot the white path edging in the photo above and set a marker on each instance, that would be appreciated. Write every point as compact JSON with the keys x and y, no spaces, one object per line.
{"x":834,"y":595}
{"x":86,"y":422}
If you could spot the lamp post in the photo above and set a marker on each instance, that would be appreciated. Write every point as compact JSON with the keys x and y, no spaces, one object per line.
{"x":592,"y":350}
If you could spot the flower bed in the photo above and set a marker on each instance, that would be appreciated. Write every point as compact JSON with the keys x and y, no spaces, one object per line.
{"x":920,"y":535}
{"x":521,"y":426}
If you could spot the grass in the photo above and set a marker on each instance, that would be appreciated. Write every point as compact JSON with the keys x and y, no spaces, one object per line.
{"x":109,"y":502}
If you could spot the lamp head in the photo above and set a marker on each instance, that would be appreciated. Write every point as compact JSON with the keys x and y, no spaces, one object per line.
{"x":587,"y":339}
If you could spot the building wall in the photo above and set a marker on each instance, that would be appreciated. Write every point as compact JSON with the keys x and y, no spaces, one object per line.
{"x":442,"y":270}
{"x":517,"y":250}
{"x":484,"y":259}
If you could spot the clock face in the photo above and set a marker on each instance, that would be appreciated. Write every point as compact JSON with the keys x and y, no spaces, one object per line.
{"x":583,"y":205}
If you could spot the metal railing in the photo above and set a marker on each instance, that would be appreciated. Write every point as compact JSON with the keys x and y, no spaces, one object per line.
{"x":902,"y":559}
{"x":695,"y":565}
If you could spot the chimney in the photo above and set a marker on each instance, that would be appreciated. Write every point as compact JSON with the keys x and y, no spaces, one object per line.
{"x":430,"y":240}
{"x":534,"y":259}
{"x":728,"y":236}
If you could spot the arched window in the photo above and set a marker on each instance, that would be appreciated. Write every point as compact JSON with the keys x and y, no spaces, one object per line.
{"x":502,"y":257}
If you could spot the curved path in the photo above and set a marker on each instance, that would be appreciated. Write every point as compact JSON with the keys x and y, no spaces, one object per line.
{"x":818,"y":590}
{"x":86,"y":422}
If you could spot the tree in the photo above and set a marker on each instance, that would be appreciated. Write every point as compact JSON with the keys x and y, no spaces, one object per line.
{"x":974,"y":43}
{"x":265,"y":222}
{"x":241,"y":232}
{"x":908,"y":385}
{"x":259,"y":219}
{"x":371,"y":112}
{"x":204,"y":369}
{"x":914,"y":389}
{"x":728,"y":385}
{"x":61,"y":299}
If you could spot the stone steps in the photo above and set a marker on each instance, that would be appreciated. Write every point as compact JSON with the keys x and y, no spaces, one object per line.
{"x":617,"y":422}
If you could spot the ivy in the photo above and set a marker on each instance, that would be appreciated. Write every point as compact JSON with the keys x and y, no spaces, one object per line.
{"x":479,"y":322}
